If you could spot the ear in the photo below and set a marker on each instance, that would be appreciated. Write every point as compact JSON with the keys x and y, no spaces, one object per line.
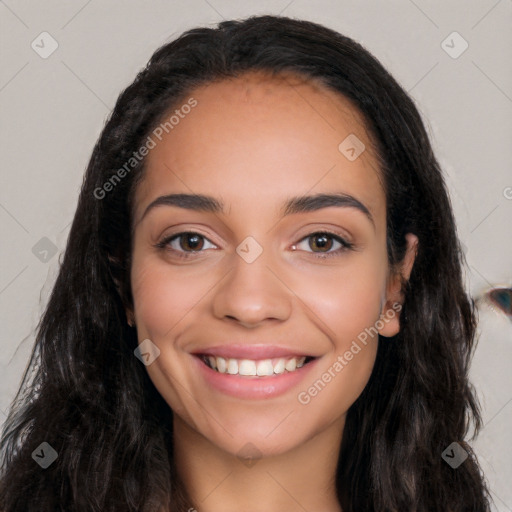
{"x":129,"y":313}
{"x":390,"y":314}
{"x":130,"y":317}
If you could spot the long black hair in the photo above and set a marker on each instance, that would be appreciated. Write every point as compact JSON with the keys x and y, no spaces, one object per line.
{"x":90,"y":399}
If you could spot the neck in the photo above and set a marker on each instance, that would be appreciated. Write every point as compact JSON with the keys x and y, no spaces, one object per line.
{"x":303,"y":478}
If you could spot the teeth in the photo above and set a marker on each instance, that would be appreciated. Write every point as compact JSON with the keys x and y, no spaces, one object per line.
{"x":265,"y":367}
{"x":291,"y":365}
{"x":249,"y":367}
{"x":221,"y":364}
{"x":279,"y":366}
{"x":232,"y":366}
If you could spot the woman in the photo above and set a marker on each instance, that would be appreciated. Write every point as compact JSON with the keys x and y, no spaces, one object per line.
{"x":260,"y":306}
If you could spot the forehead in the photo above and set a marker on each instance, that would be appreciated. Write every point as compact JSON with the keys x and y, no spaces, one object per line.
{"x":257,"y":138}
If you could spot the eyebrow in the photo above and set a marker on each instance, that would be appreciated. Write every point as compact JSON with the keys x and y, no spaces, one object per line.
{"x":294,"y":205}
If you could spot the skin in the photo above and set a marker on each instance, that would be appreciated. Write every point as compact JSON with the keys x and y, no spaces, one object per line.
{"x":253,"y":142}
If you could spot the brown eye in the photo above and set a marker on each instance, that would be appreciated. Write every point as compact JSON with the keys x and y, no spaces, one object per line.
{"x":324,"y":244}
{"x":185,"y":244}
{"x":191,"y":241}
{"x":321,"y":241}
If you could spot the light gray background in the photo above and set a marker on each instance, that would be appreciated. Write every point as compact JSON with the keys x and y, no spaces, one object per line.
{"x":53,"y":109}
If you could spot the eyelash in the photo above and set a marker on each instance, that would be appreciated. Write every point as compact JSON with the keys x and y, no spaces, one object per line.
{"x":346,"y":246}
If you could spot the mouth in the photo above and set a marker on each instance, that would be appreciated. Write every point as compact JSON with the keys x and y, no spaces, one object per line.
{"x":259,"y":368}
{"x":253,"y":371}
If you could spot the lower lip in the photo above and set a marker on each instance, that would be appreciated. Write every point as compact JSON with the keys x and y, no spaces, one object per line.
{"x":253,"y":387}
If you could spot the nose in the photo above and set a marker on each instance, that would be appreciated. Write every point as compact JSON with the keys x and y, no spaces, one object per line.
{"x":252,"y":293}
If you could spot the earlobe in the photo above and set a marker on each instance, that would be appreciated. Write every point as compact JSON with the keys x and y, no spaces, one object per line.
{"x":390,"y":314}
{"x":129,"y":318}
{"x":410,"y":255}
{"x":129,"y":313}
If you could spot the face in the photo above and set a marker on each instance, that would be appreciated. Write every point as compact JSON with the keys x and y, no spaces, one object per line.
{"x":278,"y":273}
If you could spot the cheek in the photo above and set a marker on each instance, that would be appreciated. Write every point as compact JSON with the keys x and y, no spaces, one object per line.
{"x":347,"y":304}
{"x":162,"y":297}
{"x":345,"y":300}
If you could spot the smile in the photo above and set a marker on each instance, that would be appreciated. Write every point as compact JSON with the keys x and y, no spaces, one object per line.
{"x":253,"y":371}
{"x":253,"y":368}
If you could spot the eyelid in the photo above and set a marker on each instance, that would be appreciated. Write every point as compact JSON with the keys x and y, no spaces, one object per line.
{"x":164,"y":244}
{"x":339,"y":238}
{"x":335,"y":231}
{"x":346,"y":245}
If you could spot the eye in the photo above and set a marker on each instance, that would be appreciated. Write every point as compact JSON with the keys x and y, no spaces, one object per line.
{"x":322,"y":244}
{"x":186,"y":242}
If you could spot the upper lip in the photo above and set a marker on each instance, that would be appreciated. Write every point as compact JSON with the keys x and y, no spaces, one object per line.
{"x":251,"y":351}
